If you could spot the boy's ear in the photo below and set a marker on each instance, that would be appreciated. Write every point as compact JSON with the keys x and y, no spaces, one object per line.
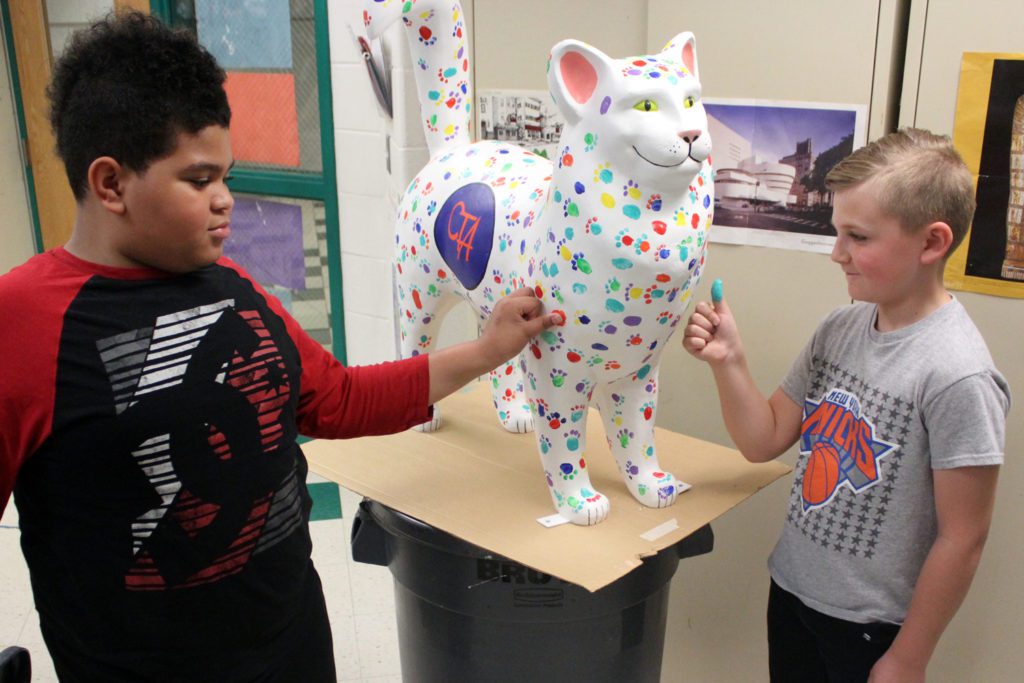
{"x":938,"y":237}
{"x":106,"y":183}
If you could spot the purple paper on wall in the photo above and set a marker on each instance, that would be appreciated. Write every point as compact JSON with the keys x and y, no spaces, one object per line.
{"x":266,"y":240}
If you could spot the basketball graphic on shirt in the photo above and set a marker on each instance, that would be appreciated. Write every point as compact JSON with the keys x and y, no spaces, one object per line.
{"x":822,"y":474}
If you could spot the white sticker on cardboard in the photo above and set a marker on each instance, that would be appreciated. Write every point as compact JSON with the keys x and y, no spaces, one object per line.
{"x":552,"y":521}
{"x":660,"y":530}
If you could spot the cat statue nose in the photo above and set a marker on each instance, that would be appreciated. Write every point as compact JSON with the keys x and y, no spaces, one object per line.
{"x":689,"y":136}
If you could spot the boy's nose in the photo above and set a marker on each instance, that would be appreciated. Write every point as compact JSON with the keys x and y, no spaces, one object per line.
{"x":838,"y":254}
{"x":223,"y":201}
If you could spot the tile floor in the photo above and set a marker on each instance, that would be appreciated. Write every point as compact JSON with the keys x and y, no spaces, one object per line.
{"x":360,"y":600}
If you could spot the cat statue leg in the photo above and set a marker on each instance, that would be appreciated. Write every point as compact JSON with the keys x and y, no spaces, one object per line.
{"x":628,"y":407}
{"x":509,"y":397}
{"x":559,"y":401}
{"x":421,"y":311}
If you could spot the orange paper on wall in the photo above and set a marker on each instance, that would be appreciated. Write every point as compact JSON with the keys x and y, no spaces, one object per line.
{"x":264,"y":119}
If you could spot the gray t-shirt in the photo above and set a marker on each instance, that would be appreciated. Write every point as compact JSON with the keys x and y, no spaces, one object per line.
{"x":880,"y":412}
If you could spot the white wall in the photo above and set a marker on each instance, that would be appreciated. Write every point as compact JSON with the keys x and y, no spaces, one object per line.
{"x":67,"y":16}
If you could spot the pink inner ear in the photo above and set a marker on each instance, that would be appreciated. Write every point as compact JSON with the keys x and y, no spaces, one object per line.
{"x":579,"y":76}
{"x":689,"y":59}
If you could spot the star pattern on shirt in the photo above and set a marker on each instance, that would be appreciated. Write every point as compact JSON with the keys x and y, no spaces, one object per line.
{"x":849,"y":524}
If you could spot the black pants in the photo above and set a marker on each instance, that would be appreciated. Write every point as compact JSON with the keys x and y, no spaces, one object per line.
{"x":806,"y":646}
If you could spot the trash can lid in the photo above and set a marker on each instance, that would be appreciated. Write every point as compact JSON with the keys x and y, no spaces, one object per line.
{"x":400,"y":524}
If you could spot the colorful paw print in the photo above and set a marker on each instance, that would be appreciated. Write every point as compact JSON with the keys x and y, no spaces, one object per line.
{"x":444,"y":74}
{"x":654,"y":202}
{"x":567,"y":471}
{"x":623,"y":239}
{"x":603,"y":174}
{"x":631,"y":190}
{"x":579,"y":263}
{"x":424,"y":341}
{"x":556,"y":420}
{"x":569,"y":208}
{"x":545,"y":446}
{"x":553,"y":339}
{"x":572,"y":442}
{"x":631,"y":469}
{"x":577,"y":412}
{"x":647,"y":410}
{"x":563,"y":249}
{"x":565,"y":159}
{"x":634,"y":340}
{"x":540,"y":407}
{"x":558,"y":377}
{"x":574,"y":504}
{"x":623,"y":436}
{"x":426,"y":36}
{"x":589,"y":142}
{"x":574,"y":355}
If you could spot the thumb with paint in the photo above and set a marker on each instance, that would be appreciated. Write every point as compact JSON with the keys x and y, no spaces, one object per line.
{"x":716,"y":292}
{"x":710,"y":334}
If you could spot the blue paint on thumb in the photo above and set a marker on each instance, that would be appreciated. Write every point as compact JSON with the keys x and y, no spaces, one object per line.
{"x":716,"y":291}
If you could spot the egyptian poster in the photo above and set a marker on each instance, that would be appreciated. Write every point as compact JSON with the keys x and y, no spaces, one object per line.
{"x":989,"y":134}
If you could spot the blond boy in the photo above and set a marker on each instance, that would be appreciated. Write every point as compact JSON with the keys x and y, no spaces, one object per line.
{"x":900,"y":417}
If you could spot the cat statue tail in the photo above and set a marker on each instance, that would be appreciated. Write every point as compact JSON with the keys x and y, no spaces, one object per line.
{"x":436,"y":32}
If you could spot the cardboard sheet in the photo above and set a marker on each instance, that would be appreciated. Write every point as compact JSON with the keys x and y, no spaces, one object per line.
{"x":484,"y":485}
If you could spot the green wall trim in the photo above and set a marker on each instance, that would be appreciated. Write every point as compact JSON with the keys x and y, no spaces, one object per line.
{"x":280,"y":183}
{"x":331,"y":211}
{"x":30,"y":183}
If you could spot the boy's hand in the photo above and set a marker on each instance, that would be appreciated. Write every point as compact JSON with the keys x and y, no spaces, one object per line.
{"x":515,"y":320}
{"x":711,"y":333}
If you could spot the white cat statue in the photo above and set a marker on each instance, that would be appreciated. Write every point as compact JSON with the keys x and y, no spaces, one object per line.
{"x":611,"y":233}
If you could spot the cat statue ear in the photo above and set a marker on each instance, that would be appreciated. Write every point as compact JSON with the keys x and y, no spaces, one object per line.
{"x":682,"y":50}
{"x":575,"y":70}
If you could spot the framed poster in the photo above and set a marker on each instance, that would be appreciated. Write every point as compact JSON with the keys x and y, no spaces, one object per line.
{"x":771,"y":159}
{"x":988,"y":131}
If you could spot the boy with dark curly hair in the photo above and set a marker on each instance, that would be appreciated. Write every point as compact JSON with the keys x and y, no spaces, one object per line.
{"x":152,"y":392}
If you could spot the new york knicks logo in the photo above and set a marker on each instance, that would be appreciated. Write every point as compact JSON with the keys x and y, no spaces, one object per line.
{"x":841,"y":447}
{"x":464,"y":232}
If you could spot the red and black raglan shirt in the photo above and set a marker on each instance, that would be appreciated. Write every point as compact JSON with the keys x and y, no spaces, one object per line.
{"x":148,"y":428}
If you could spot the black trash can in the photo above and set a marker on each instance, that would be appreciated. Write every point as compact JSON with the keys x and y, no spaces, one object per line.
{"x":466,"y":615}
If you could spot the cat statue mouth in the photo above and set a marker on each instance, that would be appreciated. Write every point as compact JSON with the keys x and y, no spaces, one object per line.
{"x":611,"y":232}
{"x":688,"y":157}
